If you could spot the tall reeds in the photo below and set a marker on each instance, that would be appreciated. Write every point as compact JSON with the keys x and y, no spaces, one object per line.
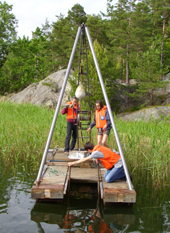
{"x":146,"y":147}
{"x":24,"y":130}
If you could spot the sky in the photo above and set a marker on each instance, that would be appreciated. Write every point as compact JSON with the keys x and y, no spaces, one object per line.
{"x":33,"y":13}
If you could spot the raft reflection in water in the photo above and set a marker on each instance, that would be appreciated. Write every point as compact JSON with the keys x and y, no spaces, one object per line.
{"x":83,"y":216}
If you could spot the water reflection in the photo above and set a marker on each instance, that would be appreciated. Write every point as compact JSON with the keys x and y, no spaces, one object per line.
{"x":83,"y":216}
{"x":150,"y":214}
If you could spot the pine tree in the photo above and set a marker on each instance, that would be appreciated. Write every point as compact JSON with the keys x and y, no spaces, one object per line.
{"x":119,"y":34}
{"x":64,"y":32}
{"x":77,"y":15}
{"x":18,"y":70}
{"x":161,"y":14}
{"x":98,"y":28}
{"x":148,"y":73}
{"x":95,"y":90}
{"x":8,"y":24}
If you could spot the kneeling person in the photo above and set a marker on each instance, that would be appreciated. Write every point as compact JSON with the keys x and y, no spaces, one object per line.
{"x":110,"y":160}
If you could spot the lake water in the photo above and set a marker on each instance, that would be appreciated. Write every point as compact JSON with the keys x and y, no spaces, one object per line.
{"x":20,"y":213}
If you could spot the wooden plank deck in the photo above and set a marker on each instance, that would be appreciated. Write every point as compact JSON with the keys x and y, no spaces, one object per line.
{"x":116,"y":192}
{"x":84,"y":174}
{"x":52,"y":184}
{"x":55,"y":181}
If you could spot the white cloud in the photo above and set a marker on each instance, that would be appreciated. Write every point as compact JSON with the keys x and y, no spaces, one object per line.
{"x":33,"y":13}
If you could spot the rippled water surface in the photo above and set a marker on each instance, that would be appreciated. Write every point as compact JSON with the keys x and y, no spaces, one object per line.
{"x":20,"y":213}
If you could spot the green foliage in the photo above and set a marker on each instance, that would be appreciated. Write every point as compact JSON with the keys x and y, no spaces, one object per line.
{"x":28,"y":61}
{"x":64,"y":35}
{"x":24,"y":130}
{"x":148,"y":73}
{"x":103,"y":61}
{"x":98,"y":28}
{"x":119,"y":35}
{"x":95,"y":90}
{"x":126,"y":35}
{"x":17,"y":72}
{"x":42,"y":46}
{"x":8,"y":24}
{"x":77,"y":15}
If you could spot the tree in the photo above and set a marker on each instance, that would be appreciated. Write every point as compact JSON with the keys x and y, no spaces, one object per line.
{"x":77,"y":15}
{"x":8,"y":24}
{"x":148,"y":73}
{"x":98,"y":28}
{"x":28,"y":60}
{"x":64,"y":33}
{"x":130,"y":33}
{"x":63,"y":40}
{"x":95,"y":90}
{"x":119,"y":34}
{"x":161,"y":14}
{"x":43,"y":48}
{"x":18,"y":69}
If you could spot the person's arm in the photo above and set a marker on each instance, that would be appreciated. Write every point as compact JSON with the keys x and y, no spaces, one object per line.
{"x":97,"y":155}
{"x":64,"y":110}
{"x":79,"y":161}
{"x":107,"y":119}
{"x":92,"y":124}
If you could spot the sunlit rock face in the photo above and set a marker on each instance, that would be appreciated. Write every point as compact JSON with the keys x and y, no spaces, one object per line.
{"x":46,"y":92}
{"x":146,"y":114}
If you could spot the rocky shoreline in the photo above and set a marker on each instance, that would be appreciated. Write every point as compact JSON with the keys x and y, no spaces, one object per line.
{"x":46,"y":93}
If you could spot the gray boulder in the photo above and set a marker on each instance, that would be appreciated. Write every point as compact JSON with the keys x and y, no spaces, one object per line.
{"x":146,"y":114}
{"x":46,"y":92}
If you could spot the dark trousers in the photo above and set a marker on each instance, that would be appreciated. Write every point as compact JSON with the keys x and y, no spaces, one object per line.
{"x":70,"y":128}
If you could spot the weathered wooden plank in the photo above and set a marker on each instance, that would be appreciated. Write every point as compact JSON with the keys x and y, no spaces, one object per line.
{"x":119,"y":195}
{"x":117,"y":191}
{"x":117,"y":184}
{"x":47,"y":191}
{"x":52,"y":184}
{"x":84,"y":174}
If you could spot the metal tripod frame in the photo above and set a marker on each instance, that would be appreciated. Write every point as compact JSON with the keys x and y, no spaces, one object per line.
{"x":106,"y":100}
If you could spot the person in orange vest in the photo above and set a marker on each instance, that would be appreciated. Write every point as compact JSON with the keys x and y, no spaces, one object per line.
{"x":98,"y":224}
{"x":71,"y":111}
{"x":109,"y":159}
{"x":102,"y":122}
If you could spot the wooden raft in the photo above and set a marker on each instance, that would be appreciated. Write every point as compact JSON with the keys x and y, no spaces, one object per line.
{"x":116,"y":192}
{"x":53,"y":184}
{"x":55,"y":181}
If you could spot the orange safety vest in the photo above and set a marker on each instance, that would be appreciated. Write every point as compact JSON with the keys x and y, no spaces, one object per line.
{"x":102,"y":226}
{"x":70,"y":113}
{"x":100,"y":117}
{"x":110,"y":157}
{"x":68,"y":220}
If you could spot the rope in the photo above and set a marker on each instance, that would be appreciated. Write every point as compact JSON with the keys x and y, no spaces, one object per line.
{"x":56,"y":172}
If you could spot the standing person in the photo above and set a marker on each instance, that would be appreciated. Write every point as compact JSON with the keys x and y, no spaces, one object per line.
{"x":109,"y":159}
{"x":102,"y":122}
{"x":71,"y":111}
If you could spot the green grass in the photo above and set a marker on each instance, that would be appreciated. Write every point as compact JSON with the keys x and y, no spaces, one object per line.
{"x":24,"y":129}
{"x":146,"y":146}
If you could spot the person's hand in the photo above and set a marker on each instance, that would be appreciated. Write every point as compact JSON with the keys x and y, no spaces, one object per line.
{"x":105,"y":127}
{"x":70,"y":164}
{"x":97,"y":161}
{"x":88,"y":130}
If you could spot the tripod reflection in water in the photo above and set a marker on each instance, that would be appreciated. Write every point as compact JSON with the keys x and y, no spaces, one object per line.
{"x":83,"y":216}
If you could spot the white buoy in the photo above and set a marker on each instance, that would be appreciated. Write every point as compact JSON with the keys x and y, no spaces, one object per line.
{"x":80,"y":92}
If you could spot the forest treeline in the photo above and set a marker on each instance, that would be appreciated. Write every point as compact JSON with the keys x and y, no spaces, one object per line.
{"x":131,"y":41}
